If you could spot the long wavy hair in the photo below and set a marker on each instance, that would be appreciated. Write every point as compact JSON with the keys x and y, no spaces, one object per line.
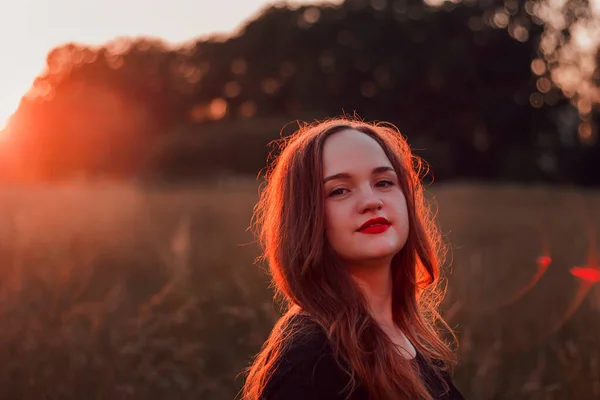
{"x":308,"y":278}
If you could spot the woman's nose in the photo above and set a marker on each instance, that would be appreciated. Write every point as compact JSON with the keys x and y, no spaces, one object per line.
{"x":369,"y":201}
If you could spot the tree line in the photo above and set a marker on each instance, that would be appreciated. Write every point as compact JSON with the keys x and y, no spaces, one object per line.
{"x":466,"y":83}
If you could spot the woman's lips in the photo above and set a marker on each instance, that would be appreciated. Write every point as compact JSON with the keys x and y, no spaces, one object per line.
{"x":372,"y":229}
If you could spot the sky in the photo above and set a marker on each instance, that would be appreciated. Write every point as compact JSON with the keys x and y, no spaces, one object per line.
{"x":29,"y":29}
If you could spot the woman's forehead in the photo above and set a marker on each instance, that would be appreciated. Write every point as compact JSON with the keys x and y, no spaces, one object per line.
{"x":351,"y":150}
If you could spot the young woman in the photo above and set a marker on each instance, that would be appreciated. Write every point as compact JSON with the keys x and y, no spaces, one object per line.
{"x":355,"y":256}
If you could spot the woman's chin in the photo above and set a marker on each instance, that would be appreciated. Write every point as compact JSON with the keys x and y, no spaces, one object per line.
{"x":383,"y":254}
{"x":380,"y":248}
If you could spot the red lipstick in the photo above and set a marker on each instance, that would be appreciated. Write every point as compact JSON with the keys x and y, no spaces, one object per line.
{"x":375,"y":225}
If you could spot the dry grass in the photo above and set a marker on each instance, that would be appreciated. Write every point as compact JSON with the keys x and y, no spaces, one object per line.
{"x":113,"y":292}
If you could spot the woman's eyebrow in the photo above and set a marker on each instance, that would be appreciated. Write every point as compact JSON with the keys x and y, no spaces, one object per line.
{"x":345,"y":175}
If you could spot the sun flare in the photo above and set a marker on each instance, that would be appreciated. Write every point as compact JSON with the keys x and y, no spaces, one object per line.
{"x":12,"y":88}
{"x":3,"y":128}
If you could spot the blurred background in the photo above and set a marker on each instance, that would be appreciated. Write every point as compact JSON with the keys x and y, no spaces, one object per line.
{"x":132,"y":136}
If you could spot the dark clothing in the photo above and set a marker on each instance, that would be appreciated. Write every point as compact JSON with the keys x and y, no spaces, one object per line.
{"x":308,"y":371}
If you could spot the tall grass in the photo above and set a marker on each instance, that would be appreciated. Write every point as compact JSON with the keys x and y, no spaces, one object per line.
{"x":109,"y":291}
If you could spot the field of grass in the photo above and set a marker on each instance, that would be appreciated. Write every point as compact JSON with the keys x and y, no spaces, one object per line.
{"x":109,"y":291}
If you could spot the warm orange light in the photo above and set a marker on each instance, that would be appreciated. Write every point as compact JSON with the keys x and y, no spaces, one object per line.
{"x":217,"y":108}
{"x":10,"y":98}
{"x":538,"y":66}
{"x":5,"y":114}
{"x":3,"y":129}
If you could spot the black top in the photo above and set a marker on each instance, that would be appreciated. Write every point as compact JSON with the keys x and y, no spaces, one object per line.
{"x":308,"y":370}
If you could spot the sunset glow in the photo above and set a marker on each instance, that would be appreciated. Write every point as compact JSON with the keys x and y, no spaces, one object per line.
{"x":36,"y":26}
{"x":572,"y":57}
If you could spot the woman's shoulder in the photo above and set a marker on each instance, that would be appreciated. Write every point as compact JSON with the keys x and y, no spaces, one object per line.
{"x":304,"y":341}
{"x":306,"y":367}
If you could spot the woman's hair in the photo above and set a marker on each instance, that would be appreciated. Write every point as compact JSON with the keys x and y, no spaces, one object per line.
{"x":309,"y":278}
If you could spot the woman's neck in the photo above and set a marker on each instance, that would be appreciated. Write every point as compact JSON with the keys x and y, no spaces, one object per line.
{"x":376,"y":284}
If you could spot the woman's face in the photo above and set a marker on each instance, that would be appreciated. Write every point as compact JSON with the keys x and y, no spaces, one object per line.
{"x":359,"y":185}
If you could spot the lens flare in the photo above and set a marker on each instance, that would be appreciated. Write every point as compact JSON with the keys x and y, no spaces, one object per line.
{"x":588,"y":275}
{"x":543,"y":261}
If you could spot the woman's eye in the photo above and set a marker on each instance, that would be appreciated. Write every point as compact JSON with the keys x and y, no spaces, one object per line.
{"x":337,"y":192}
{"x":385,"y":183}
